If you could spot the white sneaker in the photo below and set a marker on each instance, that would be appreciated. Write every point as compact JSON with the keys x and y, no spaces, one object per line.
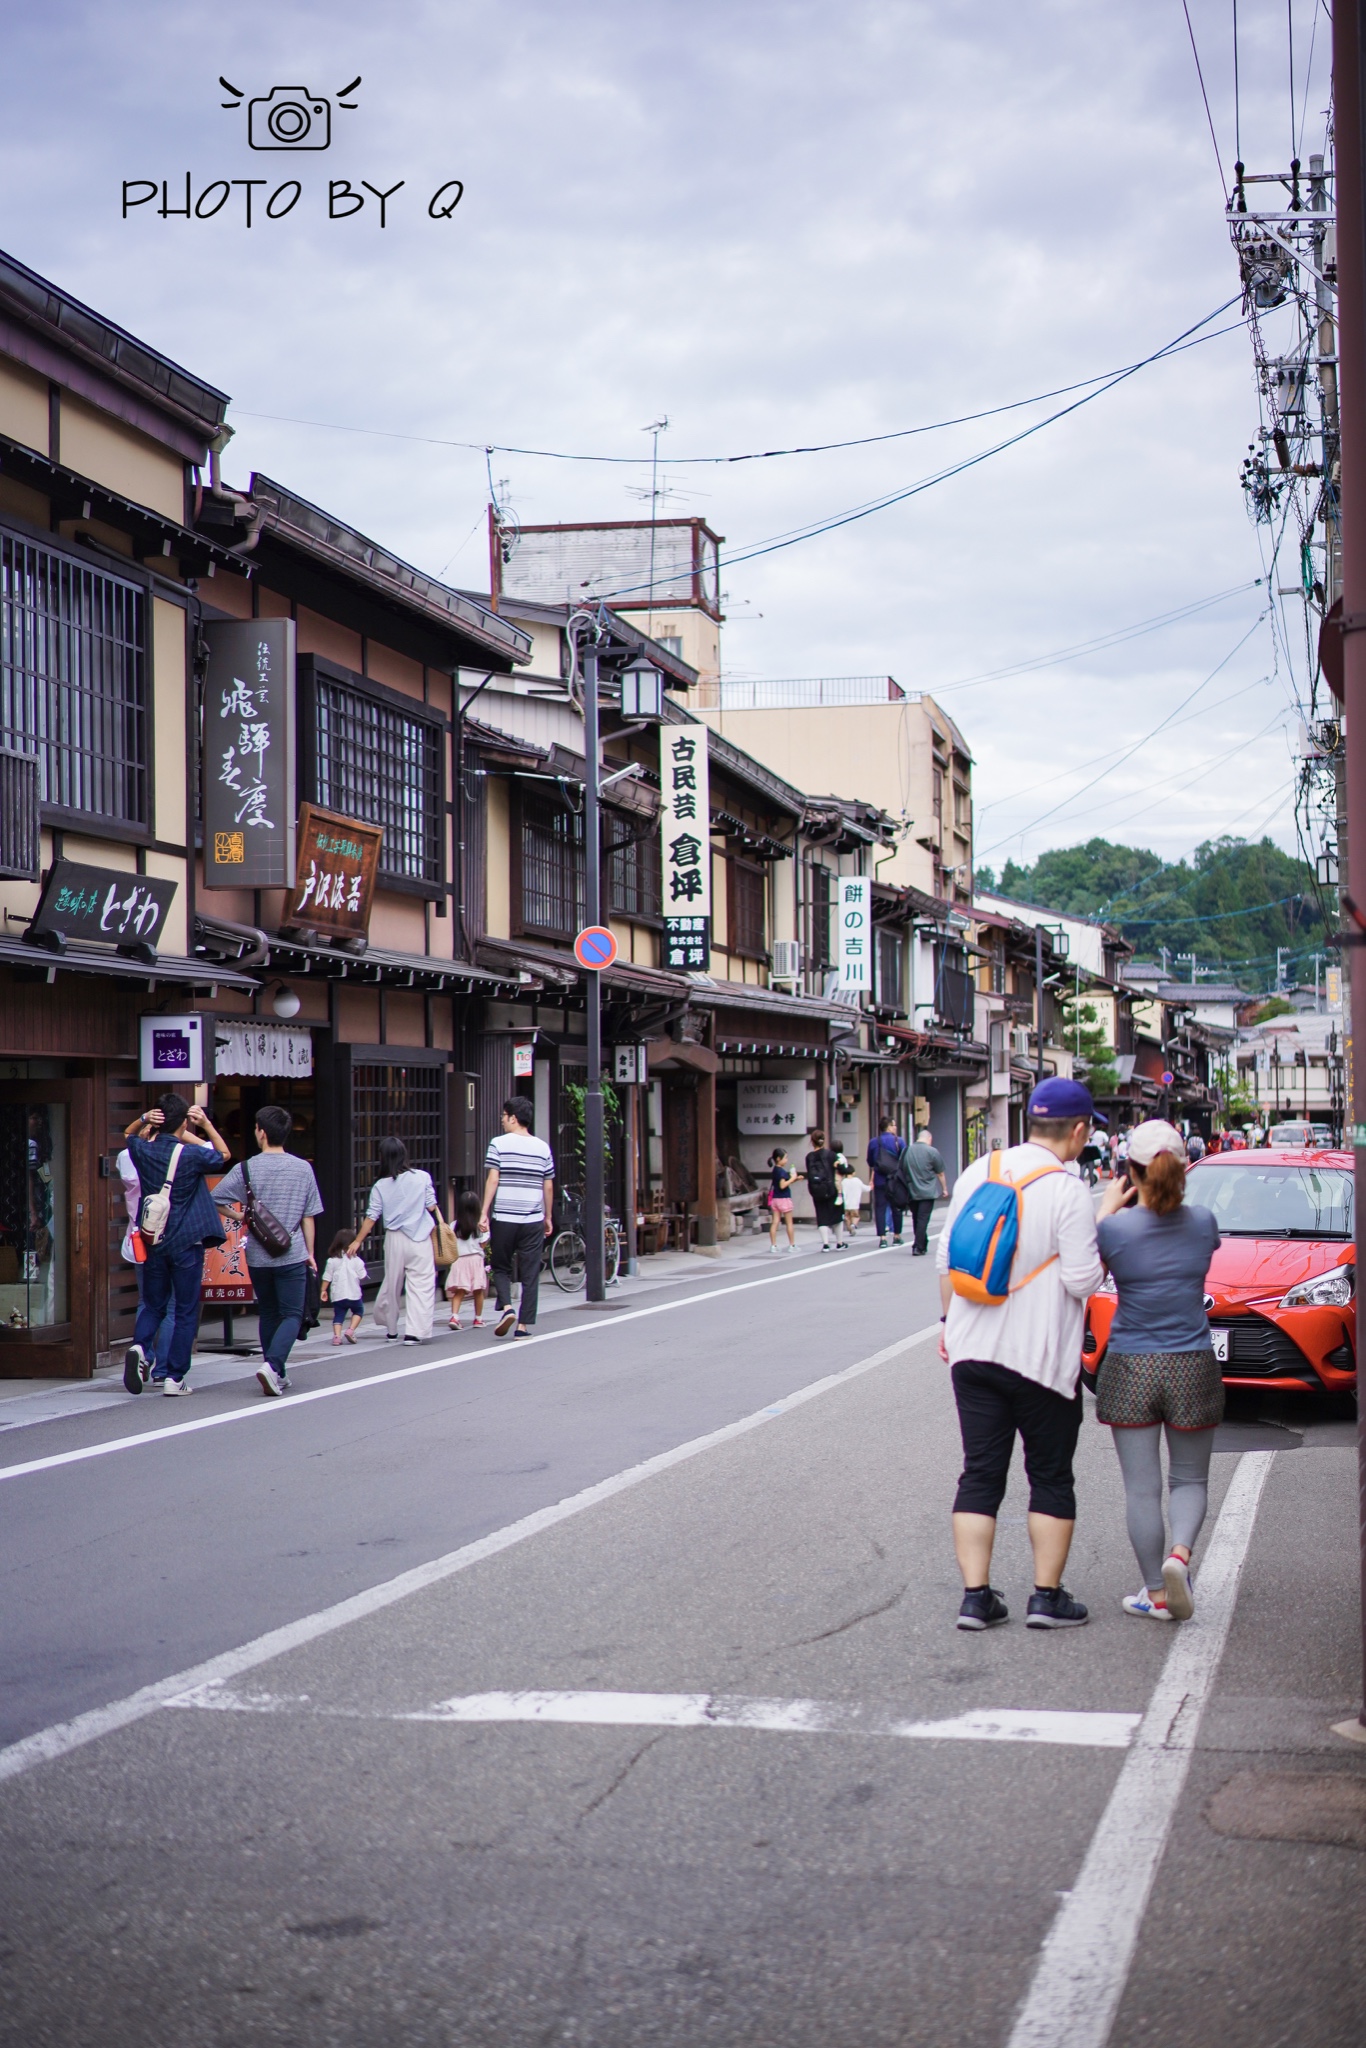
{"x":170,"y":1386}
{"x":1143,"y":1603}
{"x":1176,"y":1578}
{"x":773,"y":1251}
{"x":272,"y":1382}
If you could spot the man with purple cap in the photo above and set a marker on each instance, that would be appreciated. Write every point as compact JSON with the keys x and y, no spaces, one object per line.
{"x":1017,"y":1363}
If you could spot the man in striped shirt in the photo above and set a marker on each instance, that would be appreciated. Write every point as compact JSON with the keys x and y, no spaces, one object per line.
{"x":518,"y":1193}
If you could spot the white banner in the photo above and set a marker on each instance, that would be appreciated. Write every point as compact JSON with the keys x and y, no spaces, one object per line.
{"x":856,"y":932}
{"x":263,"y":1049}
{"x":685,"y":840}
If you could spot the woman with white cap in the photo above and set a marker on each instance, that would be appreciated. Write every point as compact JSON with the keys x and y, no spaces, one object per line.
{"x":1159,"y":1371}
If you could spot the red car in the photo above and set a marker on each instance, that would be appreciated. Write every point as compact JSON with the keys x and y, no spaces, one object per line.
{"x":1281,"y":1290}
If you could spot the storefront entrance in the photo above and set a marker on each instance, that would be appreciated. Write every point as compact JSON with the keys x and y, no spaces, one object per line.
{"x":48,"y":1212}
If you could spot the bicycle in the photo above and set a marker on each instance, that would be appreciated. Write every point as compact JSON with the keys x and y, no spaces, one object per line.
{"x":569,"y":1253}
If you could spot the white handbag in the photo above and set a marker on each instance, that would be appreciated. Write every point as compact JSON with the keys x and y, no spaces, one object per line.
{"x":156,"y":1209}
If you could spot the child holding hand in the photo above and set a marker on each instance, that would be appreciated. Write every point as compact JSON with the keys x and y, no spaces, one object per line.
{"x":343,"y":1278}
{"x":467,"y":1275}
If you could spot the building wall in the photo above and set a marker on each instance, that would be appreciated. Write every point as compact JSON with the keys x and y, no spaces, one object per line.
{"x":121,"y":458}
{"x":24,"y":406}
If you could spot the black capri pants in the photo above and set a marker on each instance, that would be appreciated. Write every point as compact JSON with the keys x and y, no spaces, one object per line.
{"x":994,"y":1405}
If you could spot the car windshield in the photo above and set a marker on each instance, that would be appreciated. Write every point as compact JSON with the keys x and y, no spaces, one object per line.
{"x":1275,"y":1201}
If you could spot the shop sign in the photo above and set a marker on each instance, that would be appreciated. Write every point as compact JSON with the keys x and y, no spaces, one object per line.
{"x":171,"y":1049}
{"x":334,"y":880}
{"x":523,"y":1062}
{"x":227,"y":1279}
{"x":1332,"y":983}
{"x":685,"y":832}
{"x":249,"y":754}
{"x":770,"y":1106}
{"x":856,"y":932}
{"x":249,"y":1048}
{"x":107,"y":904}
{"x":630,"y":1066}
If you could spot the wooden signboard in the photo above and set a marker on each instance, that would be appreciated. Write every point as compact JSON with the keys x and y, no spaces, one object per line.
{"x":337,"y":865}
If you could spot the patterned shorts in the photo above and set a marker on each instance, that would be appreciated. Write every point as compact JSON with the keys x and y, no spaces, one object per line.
{"x":1135,"y":1389}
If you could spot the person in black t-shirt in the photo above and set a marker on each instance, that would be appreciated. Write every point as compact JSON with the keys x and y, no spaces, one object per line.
{"x":822,"y":1177}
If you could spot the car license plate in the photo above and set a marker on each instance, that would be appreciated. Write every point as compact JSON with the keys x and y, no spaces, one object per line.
{"x":1219,"y":1338}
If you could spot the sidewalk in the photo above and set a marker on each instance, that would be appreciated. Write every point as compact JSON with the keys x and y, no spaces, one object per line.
{"x":28,"y":1401}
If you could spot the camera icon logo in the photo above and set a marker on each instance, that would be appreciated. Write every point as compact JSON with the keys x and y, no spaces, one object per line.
{"x":289,"y":116}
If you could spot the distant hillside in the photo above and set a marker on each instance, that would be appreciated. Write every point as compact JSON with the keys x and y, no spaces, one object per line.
{"x":1232,"y":905}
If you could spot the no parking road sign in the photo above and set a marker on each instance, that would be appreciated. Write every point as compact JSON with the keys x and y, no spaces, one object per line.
{"x":595,"y":946}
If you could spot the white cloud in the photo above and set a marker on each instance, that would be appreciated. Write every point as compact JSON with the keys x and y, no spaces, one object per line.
{"x":775,"y":223}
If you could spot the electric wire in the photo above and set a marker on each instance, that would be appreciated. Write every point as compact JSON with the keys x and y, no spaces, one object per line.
{"x":1223,"y":181}
{"x":489,"y":448}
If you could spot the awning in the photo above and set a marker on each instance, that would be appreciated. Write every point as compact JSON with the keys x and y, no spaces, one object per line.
{"x":624,"y":977}
{"x":379,"y":969}
{"x":170,"y":970}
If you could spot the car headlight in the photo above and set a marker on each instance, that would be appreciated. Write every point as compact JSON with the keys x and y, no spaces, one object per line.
{"x":1330,"y":1290}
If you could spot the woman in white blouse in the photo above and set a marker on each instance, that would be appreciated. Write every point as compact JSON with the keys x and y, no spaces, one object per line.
{"x":404,"y":1201}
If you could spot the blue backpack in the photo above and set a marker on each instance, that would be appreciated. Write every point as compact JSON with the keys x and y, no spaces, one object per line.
{"x":986,"y":1236}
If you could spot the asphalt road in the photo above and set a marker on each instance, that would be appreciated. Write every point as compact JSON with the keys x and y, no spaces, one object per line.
{"x":689,"y":1764}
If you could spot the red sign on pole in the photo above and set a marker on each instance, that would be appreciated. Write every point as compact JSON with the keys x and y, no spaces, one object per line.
{"x":595,"y":946}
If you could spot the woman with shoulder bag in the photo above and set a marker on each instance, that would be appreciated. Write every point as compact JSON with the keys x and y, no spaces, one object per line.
{"x":1159,"y":1371}
{"x":404,"y":1201}
{"x":822,"y":1181}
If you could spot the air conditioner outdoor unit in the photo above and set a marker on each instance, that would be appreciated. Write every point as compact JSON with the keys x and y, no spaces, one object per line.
{"x":787,"y":960}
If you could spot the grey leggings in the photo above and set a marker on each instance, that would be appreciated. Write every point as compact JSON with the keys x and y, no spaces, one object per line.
{"x":1140,"y":1460}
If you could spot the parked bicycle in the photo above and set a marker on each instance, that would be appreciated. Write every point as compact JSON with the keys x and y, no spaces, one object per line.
{"x":569,"y":1253}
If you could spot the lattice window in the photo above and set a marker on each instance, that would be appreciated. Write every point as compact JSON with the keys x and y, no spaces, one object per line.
{"x":745,"y":904}
{"x":889,"y":969}
{"x":633,"y":881}
{"x":550,"y":846}
{"x":820,"y":899}
{"x":374,"y":760}
{"x":73,"y":680}
{"x":395,"y":1102}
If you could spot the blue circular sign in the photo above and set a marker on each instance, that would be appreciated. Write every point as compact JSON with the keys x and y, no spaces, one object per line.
{"x":595,"y":947}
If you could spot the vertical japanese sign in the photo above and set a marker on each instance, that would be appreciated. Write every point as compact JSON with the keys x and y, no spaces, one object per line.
{"x":856,"y":932}
{"x":248,"y":754}
{"x":685,"y":827}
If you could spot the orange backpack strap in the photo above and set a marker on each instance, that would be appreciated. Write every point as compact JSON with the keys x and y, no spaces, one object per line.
{"x":1039,"y":1173}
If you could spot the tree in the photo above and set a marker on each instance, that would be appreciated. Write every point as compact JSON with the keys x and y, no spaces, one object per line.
{"x":1083,"y":1033}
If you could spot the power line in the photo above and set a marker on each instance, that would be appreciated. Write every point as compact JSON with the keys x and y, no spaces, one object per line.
{"x":1223,"y":181}
{"x":1197,"y":340}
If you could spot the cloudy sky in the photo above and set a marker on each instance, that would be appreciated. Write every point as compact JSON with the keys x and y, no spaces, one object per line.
{"x":776,"y":223}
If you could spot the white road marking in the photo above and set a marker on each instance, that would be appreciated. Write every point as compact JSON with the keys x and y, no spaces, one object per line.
{"x":710,"y":1710}
{"x":1085,"y":1960}
{"x":258,"y":1411}
{"x":68,"y":1735}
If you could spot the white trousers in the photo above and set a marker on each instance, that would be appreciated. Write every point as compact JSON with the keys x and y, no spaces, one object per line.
{"x":410,"y":1271}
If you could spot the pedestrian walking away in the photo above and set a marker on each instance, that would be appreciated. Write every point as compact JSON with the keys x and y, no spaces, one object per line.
{"x":133,"y":1252}
{"x":1159,"y":1372}
{"x":519,"y":1198}
{"x":852,"y":1191}
{"x":925,"y":1175}
{"x":468,"y":1276}
{"x":1017,"y":1259}
{"x":404,"y":1201}
{"x":782,"y":1178}
{"x":885,"y":1154}
{"x":280,"y":1247}
{"x":343,"y":1279}
{"x":822,"y":1178}
{"x":173,"y":1148}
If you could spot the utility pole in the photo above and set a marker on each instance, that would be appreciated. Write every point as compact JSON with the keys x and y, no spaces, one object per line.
{"x":593,"y":1197}
{"x":1038,"y":1001}
{"x":1349,"y":54}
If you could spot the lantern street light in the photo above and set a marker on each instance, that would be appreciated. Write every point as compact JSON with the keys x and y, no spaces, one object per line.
{"x":642,"y":692}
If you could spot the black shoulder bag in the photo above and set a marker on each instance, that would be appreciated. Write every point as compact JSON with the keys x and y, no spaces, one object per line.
{"x":264,"y":1225}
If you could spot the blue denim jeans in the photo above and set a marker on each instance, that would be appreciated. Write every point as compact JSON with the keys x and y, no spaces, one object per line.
{"x":280,"y":1302}
{"x":167,"y":1278}
{"x":161,"y":1343}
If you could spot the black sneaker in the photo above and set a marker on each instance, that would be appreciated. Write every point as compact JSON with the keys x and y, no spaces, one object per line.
{"x":135,"y":1369}
{"x":1054,"y":1607}
{"x":983,"y":1607}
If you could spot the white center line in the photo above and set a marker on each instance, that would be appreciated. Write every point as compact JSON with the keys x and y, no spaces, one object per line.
{"x":1085,"y":1961}
{"x":68,"y":1735}
{"x":709,"y":1710}
{"x":259,"y":1411}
